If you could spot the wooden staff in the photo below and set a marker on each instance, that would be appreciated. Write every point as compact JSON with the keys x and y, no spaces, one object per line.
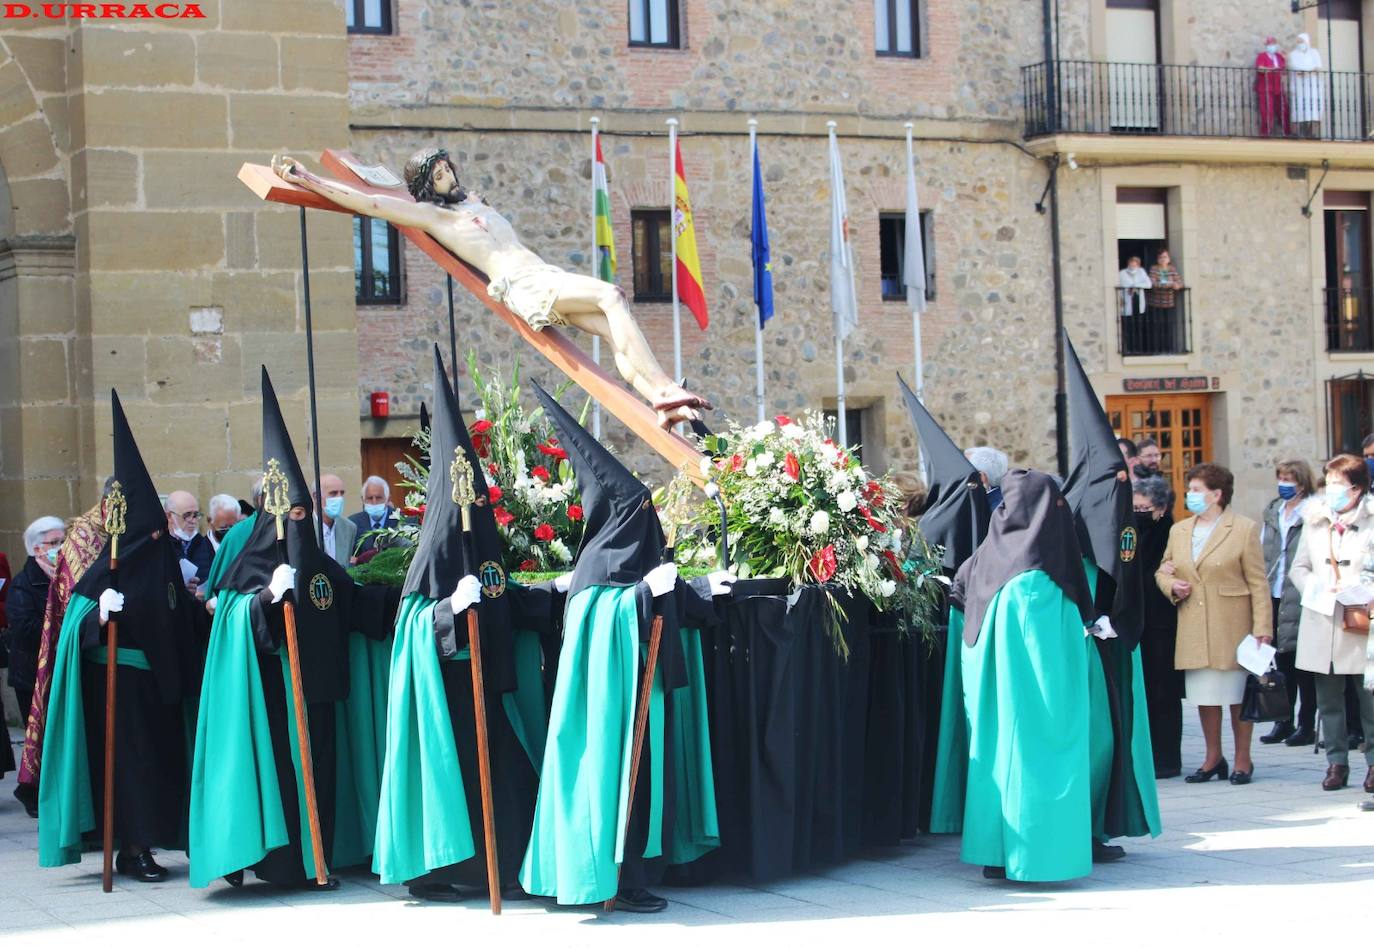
{"x":115,"y":509}
{"x":641,"y":727}
{"x":277,"y":503}
{"x":465,"y":495}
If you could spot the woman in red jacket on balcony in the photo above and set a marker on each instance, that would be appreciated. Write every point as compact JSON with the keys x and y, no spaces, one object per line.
{"x":1273,"y":105}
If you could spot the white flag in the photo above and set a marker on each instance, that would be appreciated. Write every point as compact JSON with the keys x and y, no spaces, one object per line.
{"x":842,"y":301}
{"x":914,"y":262}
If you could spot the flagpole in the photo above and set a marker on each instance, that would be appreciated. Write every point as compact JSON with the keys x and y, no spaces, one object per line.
{"x":672,"y":236}
{"x":840,"y":427}
{"x":919,"y":377}
{"x":758,"y":326}
{"x":596,"y":272}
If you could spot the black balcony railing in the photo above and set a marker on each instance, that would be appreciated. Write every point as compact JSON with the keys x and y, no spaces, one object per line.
{"x":1349,"y":319}
{"x":1075,"y":96}
{"x":1153,"y":322}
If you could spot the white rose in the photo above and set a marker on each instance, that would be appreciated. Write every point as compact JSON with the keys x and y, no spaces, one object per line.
{"x":861,"y":543}
{"x":794,"y":431}
{"x":763,"y":429}
{"x":751,"y":468}
{"x":820,"y":522}
{"x":872,"y":562}
{"x":847,"y":501}
{"x":706,"y":466}
{"x":766,"y":460}
{"x":887,"y":587}
{"x":777,"y":518}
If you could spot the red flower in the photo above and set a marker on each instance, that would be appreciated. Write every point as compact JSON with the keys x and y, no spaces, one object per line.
{"x":417,"y":513}
{"x":896,"y":566}
{"x":495,"y":493}
{"x":874,"y":492}
{"x":528,"y":566}
{"x":782,"y":420}
{"x":503,"y":516}
{"x":541,"y":472}
{"x":876,"y":525}
{"x":574,"y":511}
{"x":491,"y":468}
{"x":481,"y":444}
{"x":543,"y":532}
{"x":480,"y":425}
{"x":553,"y":450}
{"x":823,"y":564}
{"x":737,"y":462}
{"x":792,"y":466}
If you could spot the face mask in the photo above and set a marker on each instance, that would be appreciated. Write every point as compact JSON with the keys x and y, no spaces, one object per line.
{"x":221,"y":534}
{"x":1144,"y":519}
{"x":1196,"y":502}
{"x":52,"y":555}
{"x":1288,"y":491}
{"x":182,"y":535}
{"x":375,"y":511}
{"x":1337,"y":497}
{"x":1369,"y":463}
{"x":1271,"y":48}
{"x":333,"y":506}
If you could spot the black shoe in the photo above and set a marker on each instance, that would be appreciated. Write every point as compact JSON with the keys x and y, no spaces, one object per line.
{"x":1281,"y":731}
{"x":434,"y":892}
{"x":994,"y":872}
{"x":1242,"y":777}
{"x":235,"y":879}
{"x":329,"y":885}
{"x":513,"y":893}
{"x":639,"y":900}
{"x":1202,"y":776}
{"x":1304,"y":736}
{"x":1104,"y":853}
{"x":141,"y":867}
{"x":1167,"y":773}
{"x":27,"y":794}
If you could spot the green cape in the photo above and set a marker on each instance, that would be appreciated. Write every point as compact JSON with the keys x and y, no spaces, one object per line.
{"x":578,"y":840}
{"x":696,"y":830}
{"x":64,"y":784}
{"x":360,"y":745}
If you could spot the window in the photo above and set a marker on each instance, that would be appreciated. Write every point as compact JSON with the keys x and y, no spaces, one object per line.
{"x":654,"y":23}
{"x":652,"y":248}
{"x":376,"y":261}
{"x":368,"y":16}
{"x":1350,"y":411}
{"x":853,"y":428}
{"x":892,"y":253}
{"x":896,"y":28}
{"x":1349,"y":322}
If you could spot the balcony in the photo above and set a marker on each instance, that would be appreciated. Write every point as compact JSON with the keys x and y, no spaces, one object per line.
{"x":1153,"y":322}
{"x":1072,"y":97}
{"x":1349,"y":326}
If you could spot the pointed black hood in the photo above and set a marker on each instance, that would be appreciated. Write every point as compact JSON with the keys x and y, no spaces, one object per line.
{"x":253,"y":568}
{"x":1098,"y":490}
{"x":424,"y":416}
{"x":444,"y":554}
{"x":622,"y":538}
{"x":956,"y":511}
{"x":156,"y":604}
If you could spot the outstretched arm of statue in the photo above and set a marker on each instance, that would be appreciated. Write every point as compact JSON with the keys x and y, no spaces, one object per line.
{"x":400,"y":211}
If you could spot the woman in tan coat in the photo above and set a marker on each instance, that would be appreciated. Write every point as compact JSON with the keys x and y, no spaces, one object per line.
{"x":1340,"y":528}
{"x":1213,"y":570}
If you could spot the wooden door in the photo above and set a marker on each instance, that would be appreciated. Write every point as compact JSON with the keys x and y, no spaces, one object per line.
{"x":1133,"y":64}
{"x":379,"y":457}
{"x":1182,"y":424}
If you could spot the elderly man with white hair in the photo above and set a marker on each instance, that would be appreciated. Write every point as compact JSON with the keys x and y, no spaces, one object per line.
{"x":27,"y":597}
{"x":183,"y":526}
{"x":377,"y":514}
{"x":992,"y":466}
{"x":224,"y":513}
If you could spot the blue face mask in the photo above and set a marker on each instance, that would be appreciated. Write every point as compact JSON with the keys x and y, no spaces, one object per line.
{"x":1337,"y":497}
{"x":1369,"y":463}
{"x":1288,"y":491}
{"x":1195,"y":501}
{"x":375,"y":511}
{"x":333,"y":506}
{"x":52,"y":555}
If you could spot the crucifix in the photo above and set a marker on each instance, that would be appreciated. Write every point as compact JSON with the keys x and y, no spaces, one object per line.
{"x":533,"y":298}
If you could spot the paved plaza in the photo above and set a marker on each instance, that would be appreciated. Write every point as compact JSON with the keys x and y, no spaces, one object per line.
{"x":1278,"y":861}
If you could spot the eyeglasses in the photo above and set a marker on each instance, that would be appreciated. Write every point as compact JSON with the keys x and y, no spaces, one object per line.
{"x":190,"y":516}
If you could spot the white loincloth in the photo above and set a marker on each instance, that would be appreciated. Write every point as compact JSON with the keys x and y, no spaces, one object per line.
{"x":530,"y":293}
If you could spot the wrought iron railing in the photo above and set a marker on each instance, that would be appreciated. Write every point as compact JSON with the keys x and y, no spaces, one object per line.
{"x":1153,"y":322}
{"x":1081,"y":97}
{"x":1349,"y":319}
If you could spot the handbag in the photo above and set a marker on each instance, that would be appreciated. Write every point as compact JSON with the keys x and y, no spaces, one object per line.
{"x":1266,"y":698}
{"x":1354,"y":619}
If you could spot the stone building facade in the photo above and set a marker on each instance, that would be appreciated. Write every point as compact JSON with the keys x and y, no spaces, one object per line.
{"x":131,"y":257}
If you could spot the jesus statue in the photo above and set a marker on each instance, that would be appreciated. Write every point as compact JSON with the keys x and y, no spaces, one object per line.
{"x":539,"y":293}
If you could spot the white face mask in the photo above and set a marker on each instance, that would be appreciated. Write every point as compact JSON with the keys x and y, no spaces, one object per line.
{"x":182,"y":534}
{"x":1271,"y":49}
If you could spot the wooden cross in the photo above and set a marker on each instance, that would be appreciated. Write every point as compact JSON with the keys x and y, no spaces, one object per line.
{"x":549,"y":342}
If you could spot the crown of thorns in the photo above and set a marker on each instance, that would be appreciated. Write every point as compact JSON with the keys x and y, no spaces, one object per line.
{"x":420,"y":167}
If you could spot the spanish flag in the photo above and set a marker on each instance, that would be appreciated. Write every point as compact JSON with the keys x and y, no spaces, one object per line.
{"x":690,"y":289}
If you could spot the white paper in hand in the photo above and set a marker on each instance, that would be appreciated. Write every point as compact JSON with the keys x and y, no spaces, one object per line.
{"x":1356,"y":595}
{"x":1318,"y":598}
{"x":1254,"y":656}
{"x":188,"y":570}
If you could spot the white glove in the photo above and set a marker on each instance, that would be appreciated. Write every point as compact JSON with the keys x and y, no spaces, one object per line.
{"x":721,"y":581}
{"x":468,"y":593}
{"x":562,"y":583}
{"x":283,"y":581}
{"x":111,"y":600}
{"x":1101,"y":629}
{"x":211,"y":605}
{"x":661,"y":579}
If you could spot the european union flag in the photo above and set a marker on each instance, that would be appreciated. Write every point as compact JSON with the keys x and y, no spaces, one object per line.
{"x":758,"y":234}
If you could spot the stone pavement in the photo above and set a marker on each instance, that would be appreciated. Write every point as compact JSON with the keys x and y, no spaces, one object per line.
{"x":1278,"y":861}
